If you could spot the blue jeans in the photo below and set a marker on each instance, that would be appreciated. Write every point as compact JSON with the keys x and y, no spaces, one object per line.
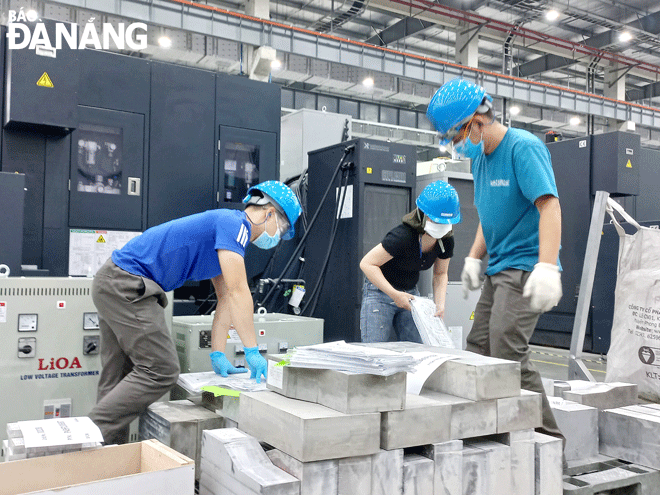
{"x":381,"y":320}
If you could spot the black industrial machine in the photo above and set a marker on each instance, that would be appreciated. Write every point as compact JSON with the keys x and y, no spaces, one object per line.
{"x":372,"y":185}
{"x":119,"y":144}
{"x":12,"y":203}
{"x":613,"y":162}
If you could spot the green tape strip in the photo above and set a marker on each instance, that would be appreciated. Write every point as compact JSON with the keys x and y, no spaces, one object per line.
{"x":218,"y":391}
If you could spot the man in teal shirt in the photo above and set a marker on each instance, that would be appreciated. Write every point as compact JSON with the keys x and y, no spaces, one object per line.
{"x":520,"y":228}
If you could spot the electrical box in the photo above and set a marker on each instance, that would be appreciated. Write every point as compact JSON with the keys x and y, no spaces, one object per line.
{"x":615,"y":163}
{"x":49,"y":348}
{"x":276,"y":333}
{"x":380,"y":189}
{"x":42,"y":83}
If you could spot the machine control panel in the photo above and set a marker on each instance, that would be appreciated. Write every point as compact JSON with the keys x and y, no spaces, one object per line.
{"x":28,"y":322}
{"x":205,"y":339}
{"x":27,"y":347}
{"x":90,"y":321}
{"x":91,"y":344}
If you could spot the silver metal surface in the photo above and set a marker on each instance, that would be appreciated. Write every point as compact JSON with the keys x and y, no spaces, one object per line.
{"x":423,"y":421}
{"x":519,"y":413}
{"x":307,"y":431}
{"x":548,"y":465}
{"x":577,"y":369}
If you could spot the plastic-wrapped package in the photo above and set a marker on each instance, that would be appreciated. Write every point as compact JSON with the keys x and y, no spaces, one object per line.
{"x":431,"y":328}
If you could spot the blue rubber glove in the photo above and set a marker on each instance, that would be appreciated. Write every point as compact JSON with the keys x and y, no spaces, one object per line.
{"x":222,"y":366}
{"x":258,"y":365}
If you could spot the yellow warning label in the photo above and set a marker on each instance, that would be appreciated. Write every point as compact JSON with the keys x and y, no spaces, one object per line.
{"x":45,"y":81}
{"x":100,"y":239}
{"x":628,"y":165}
{"x":472,"y":316}
{"x":370,"y":170}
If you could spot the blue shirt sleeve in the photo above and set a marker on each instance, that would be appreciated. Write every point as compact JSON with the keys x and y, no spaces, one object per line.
{"x":232,"y":234}
{"x":533,"y":169}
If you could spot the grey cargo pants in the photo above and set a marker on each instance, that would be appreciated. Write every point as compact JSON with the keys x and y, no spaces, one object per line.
{"x":503,"y":325}
{"x":138,"y":358}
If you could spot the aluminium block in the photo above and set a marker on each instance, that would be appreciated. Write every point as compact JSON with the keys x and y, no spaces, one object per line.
{"x":243,"y":462}
{"x":354,"y":475}
{"x":548,"y":470}
{"x":475,"y":471}
{"x":222,"y":405}
{"x":631,"y":433}
{"x":315,"y":477}
{"x":580,"y":423}
{"x":448,"y":461}
{"x":519,"y":413}
{"x":343,"y":391}
{"x":387,"y":472}
{"x":179,"y":424}
{"x":308,"y":431}
{"x":476,"y":378}
{"x":498,"y":464}
{"x":521,"y":444}
{"x":468,"y":418}
{"x":423,"y":421}
{"x":602,"y":395}
{"x":417,"y":475}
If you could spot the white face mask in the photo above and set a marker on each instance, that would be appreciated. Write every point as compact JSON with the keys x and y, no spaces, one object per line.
{"x":436,"y":230}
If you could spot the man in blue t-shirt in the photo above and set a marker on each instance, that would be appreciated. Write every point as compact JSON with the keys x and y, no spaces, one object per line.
{"x":520,"y":228}
{"x":138,"y":357}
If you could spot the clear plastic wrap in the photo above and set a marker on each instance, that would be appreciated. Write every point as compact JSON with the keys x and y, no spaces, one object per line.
{"x":431,"y":328}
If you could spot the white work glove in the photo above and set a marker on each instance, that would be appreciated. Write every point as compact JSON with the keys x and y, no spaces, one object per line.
{"x":543,"y":287}
{"x":471,"y":275}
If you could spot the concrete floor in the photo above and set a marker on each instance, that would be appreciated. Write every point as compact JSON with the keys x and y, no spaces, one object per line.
{"x":553,"y":363}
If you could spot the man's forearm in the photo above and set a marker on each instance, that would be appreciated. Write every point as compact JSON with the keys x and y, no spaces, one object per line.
{"x":478,"y":249}
{"x":242,"y":316}
{"x":549,"y":230}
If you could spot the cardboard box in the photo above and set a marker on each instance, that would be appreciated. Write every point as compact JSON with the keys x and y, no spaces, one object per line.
{"x":144,"y":468}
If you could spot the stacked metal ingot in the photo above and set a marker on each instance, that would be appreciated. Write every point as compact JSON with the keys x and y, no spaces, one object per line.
{"x":470,"y":430}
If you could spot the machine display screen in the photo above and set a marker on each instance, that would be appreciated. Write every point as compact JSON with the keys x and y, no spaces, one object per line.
{"x":384,"y":207}
{"x":99,"y":159}
{"x":241,"y":169}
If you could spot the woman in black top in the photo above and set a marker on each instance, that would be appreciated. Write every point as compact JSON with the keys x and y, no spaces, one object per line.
{"x":423,"y":239}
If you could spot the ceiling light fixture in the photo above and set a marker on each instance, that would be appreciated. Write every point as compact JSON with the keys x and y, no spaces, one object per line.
{"x":552,"y":15}
{"x":625,"y":37}
{"x":165,"y":42}
{"x":276,"y":64}
{"x":368,"y":82}
{"x":31,"y":15}
{"x":575,"y":121}
{"x":514,"y":110}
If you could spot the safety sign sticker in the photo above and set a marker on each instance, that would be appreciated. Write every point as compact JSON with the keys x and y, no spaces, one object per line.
{"x":89,"y":249}
{"x":628,"y":164}
{"x":44,"y":81}
{"x":3,"y":312}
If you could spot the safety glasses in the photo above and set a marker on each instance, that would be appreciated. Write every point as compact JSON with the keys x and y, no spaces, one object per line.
{"x":282,"y":223}
{"x":456,"y":134}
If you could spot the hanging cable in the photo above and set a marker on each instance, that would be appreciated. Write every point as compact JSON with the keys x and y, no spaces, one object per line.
{"x":347,"y":151}
{"x":314,"y":298}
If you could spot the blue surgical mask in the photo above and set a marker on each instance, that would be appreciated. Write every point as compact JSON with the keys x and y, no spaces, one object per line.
{"x":267,"y":241}
{"x":467,"y":149}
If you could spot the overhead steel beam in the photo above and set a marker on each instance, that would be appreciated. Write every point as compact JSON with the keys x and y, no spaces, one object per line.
{"x":649,"y":23}
{"x":543,"y":64}
{"x":398,"y":31}
{"x":203,"y":19}
{"x":645,"y":92}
